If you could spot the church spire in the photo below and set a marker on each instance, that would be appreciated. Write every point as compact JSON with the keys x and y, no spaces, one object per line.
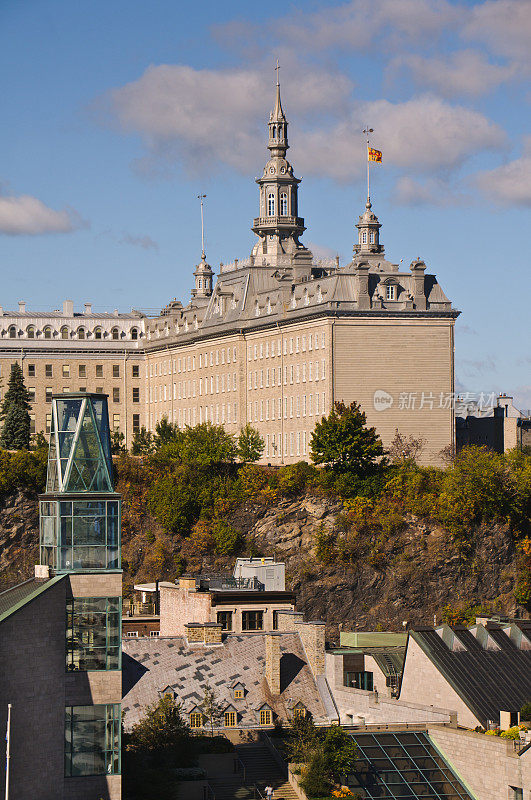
{"x":278,"y":126}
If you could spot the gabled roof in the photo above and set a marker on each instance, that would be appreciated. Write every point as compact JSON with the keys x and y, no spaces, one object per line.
{"x":487,"y":666}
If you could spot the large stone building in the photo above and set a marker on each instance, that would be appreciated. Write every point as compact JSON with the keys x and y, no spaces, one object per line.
{"x":274,"y":341}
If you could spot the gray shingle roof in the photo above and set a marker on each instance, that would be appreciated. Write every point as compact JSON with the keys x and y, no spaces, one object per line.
{"x":17,"y":596}
{"x":151,"y":665}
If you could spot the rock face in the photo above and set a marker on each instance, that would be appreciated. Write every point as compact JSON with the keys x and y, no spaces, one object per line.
{"x":409,"y":576}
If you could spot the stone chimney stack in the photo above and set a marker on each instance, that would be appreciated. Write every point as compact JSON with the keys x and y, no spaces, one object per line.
{"x":68,"y":308}
{"x":21,"y":307}
{"x":272,"y":662}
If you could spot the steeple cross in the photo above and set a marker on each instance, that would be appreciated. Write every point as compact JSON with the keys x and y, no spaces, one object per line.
{"x":277,"y":70}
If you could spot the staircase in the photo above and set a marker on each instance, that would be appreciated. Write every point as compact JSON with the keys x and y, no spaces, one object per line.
{"x":261,"y":769}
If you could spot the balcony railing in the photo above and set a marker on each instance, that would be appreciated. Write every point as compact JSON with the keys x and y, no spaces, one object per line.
{"x":291,"y":222}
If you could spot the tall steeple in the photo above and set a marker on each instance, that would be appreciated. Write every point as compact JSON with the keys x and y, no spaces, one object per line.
{"x":278,"y":227}
{"x":203,"y":272}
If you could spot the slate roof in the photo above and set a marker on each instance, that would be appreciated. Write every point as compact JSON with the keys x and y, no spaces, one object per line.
{"x":153,"y":664}
{"x":17,"y":596}
{"x":488,"y":666}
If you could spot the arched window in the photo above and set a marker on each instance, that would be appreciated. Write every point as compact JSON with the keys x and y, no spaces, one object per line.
{"x":373,"y":238}
{"x":364,"y":238}
{"x":271,"y":205}
{"x":31,"y":332}
{"x":81,"y":333}
{"x":134,"y":333}
{"x":12,"y":332}
{"x":274,"y":131}
{"x":47,"y":332}
{"x":115,"y":333}
{"x":284,"y":204}
{"x":97,"y":333}
{"x":64,"y":332}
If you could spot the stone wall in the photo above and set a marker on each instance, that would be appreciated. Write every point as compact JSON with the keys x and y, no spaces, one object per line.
{"x":312,"y":635}
{"x":179,"y":606}
{"x":357,"y":707}
{"x":423,"y":683}
{"x":488,"y":765}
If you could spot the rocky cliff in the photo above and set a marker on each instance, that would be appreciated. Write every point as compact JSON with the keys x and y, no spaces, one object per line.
{"x":412,"y":574}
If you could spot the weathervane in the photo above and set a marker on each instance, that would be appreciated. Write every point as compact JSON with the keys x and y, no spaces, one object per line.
{"x":201,"y":197}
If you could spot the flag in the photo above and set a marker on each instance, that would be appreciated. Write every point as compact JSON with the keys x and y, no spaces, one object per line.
{"x":374,"y":155}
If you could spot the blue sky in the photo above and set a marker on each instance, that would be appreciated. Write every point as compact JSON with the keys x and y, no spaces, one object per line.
{"x":115,"y":115}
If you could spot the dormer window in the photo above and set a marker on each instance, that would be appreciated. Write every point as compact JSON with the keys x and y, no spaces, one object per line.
{"x":64,"y":333}
{"x":31,"y":332}
{"x":196,"y":719}
{"x":300,"y":711}
{"x":265,"y":716}
{"x":390,"y":292}
{"x":230,"y":719}
{"x":238,"y":694}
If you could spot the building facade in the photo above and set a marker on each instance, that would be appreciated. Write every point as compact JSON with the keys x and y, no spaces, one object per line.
{"x":273,"y":341}
{"x":60,"y":633}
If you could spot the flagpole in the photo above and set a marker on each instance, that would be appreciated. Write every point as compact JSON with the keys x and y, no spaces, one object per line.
{"x":8,"y":748}
{"x":201,"y":198}
{"x":367,"y":131}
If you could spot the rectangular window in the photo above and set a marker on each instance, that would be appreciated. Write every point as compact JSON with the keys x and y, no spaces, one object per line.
{"x":99,"y":389}
{"x":252,"y":620}
{"x":93,"y":633}
{"x":116,"y":394}
{"x":136,"y":394}
{"x":230,"y":719}
{"x":116,"y":370}
{"x":31,"y":393}
{"x":92,"y":740}
{"x":48,"y":422}
{"x":136,"y":423}
{"x":48,"y":370}
{"x":32,"y":423}
{"x":82,"y":370}
{"x":136,"y":371}
{"x":196,"y":720}
{"x":265,"y":717}
{"x":31,"y":370}
{"x":49,"y":392}
{"x":66,"y":370}
{"x":115,"y":421}
{"x":99,"y":370}
{"x":225,"y":620}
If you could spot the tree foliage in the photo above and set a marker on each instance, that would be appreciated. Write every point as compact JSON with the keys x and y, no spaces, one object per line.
{"x":328,"y":755}
{"x":406,"y":449}
{"x":143,"y":442}
{"x":250,"y":444}
{"x":162,"y":730}
{"x":343,"y":442}
{"x":14,"y":412}
{"x":211,"y":708}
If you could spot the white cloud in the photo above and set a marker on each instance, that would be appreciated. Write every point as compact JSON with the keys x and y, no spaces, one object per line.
{"x":465,"y":72}
{"x":205,"y":115}
{"x":422,"y":135}
{"x":27,"y":216}
{"x":431,"y":191}
{"x":321,"y":252}
{"x":509,"y":183}
{"x":522,"y":397}
{"x":145,"y":242}
{"x":503,"y":25}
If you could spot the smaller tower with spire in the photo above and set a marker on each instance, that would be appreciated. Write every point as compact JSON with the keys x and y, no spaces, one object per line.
{"x":203,"y":272}
{"x":368,"y":233}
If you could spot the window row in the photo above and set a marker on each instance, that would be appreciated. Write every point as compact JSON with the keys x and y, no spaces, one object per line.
{"x":219,"y":414}
{"x":49,"y":391}
{"x":294,"y":406}
{"x":295,"y":373}
{"x":292,"y":344}
{"x":31,"y":332}
{"x":296,"y":443}
{"x":115,"y":421}
{"x":67,"y":371}
{"x":189,"y":363}
{"x":186,"y":389}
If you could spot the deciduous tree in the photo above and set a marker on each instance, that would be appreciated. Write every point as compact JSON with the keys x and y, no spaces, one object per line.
{"x":343,"y":442}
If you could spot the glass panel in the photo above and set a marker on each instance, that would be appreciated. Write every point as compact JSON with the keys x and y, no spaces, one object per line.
{"x":93,"y":633}
{"x":92,"y":740}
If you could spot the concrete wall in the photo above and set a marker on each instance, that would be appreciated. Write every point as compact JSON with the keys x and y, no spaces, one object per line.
{"x":355,"y":703}
{"x":406,"y":357}
{"x":179,"y":606}
{"x":97,"y":787}
{"x":312,"y":635}
{"x":32,"y":679}
{"x":488,"y":765}
{"x":423,"y":683}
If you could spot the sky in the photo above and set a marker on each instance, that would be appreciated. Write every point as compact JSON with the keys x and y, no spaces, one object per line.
{"x":116,"y":114}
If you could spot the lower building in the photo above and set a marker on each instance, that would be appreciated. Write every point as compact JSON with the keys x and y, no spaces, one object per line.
{"x":500,"y":427}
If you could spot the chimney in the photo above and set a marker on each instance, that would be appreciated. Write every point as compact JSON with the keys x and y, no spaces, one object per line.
{"x":21,"y":307}
{"x":88,"y":308}
{"x":195,"y":632}
{"x":42,"y":571}
{"x":212,"y":633}
{"x":186,"y":582}
{"x":68,"y":308}
{"x":272,"y":662}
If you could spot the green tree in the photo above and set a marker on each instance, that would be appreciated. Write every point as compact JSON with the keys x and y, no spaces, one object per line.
{"x":142,"y":442}
{"x":250,"y":444}
{"x":117,"y":442}
{"x":211,"y":708}
{"x":343,"y":442}
{"x":208,"y":444}
{"x":165,"y":433}
{"x":14,"y":412}
{"x":162,"y":729}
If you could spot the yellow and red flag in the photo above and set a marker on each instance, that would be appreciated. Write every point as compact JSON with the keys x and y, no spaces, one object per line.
{"x":374,"y":155}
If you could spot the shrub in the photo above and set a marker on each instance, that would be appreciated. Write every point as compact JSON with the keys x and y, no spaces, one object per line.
{"x":525,"y":711}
